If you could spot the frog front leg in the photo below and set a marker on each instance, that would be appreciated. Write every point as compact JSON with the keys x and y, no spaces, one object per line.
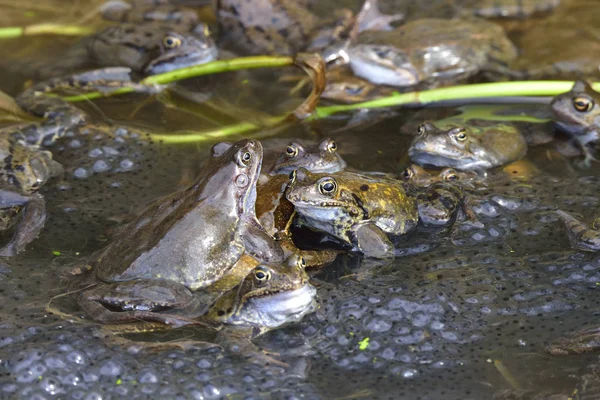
{"x":260,"y":244}
{"x":161,"y":301}
{"x":580,"y":235}
{"x":370,"y":240}
{"x":236,"y":340}
{"x":34,"y":217}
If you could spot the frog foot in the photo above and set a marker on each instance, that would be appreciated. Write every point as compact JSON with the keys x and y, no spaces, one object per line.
{"x":583,"y":341}
{"x":370,"y":18}
{"x":588,"y":159}
{"x":580,"y":235}
{"x":113,"y":337}
{"x":266,"y":358}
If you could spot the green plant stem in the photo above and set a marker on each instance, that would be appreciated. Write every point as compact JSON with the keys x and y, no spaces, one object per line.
{"x":496,"y":89}
{"x":465,"y":92}
{"x":213,"y":67}
{"x":44,"y":29}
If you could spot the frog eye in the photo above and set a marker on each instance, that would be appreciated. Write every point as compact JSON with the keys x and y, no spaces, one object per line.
{"x":583,"y":104}
{"x":170,"y":42}
{"x":291,"y":151}
{"x":461,"y":135}
{"x":451,"y":176}
{"x":421,"y":130}
{"x":244,"y":159}
{"x":408,"y":173}
{"x":331,"y":146}
{"x":302,"y":262}
{"x":327,"y":186}
{"x":262,"y":274}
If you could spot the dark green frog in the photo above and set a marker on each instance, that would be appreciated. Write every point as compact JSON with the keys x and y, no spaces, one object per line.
{"x":190,"y":239}
{"x":577,"y":112}
{"x":467,"y":147}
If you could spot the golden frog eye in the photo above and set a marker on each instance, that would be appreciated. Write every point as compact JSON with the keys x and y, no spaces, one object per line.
{"x":327,"y":186}
{"x":408,"y":173}
{"x":302,"y":262}
{"x":451,"y":176}
{"x":291,"y":151}
{"x":583,"y":104}
{"x":421,"y":130}
{"x":170,"y":42}
{"x":331,"y":146}
{"x":262,"y":274}
{"x":244,"y":159}
{"x":461,"y":136}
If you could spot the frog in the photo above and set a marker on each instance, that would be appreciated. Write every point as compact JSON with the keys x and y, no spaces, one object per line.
{"x":577,"y":112}
{"x":320,"y":158}
{"x":420,"y":177}
{"x":430,"y":52}
{"x":287,"y":27}
{"x":193,"y":237}
{"x":126,"y":52}
{"x":24,"y":171}
{"x":505,"y":9}
{"x":476,"y":147}
{"x":141,"y":11}
{"x":275,"y":212}
{"x":344,"y":87}
{"x":143,"y":49}
{"x":266,"y":297}
{"x":359,"y":210}
{"x":581,"y":236}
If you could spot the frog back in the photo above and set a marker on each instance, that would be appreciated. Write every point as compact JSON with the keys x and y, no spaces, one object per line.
{"x":503,"y":142}
{"x":178,"y":240}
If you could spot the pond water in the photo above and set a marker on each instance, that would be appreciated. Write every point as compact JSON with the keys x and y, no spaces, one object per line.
{"x":464,"y":313}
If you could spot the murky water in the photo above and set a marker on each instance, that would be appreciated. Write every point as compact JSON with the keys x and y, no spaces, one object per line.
{"x":462,"y":314}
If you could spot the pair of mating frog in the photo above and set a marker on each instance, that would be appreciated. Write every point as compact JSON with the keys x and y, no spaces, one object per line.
{"x":219,"y":252}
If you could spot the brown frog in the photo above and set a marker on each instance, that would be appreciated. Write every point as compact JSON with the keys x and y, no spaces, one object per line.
{"x":577,"y":112}
{"x":468,"y":147}
{"x":24,"y":171}
{"x":264,"y":298}
{"x":430,"y":51}
{"x":275,"y":212}
{"x":288,"y":27}
{"x":358,"y":210}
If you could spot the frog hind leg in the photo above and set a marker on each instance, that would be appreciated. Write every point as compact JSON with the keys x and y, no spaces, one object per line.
{"x":34,"y":217}
{"x":145,"y":11}
{"x":236,"y":340}
{"x":580,"y":235}
{"x":583,"y":341}
{"x":370,"y":18}
{"x":373,"y":242}
{"x":165,"y":302}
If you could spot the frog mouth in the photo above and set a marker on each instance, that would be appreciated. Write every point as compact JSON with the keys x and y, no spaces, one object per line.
{"x":287,"y":306}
